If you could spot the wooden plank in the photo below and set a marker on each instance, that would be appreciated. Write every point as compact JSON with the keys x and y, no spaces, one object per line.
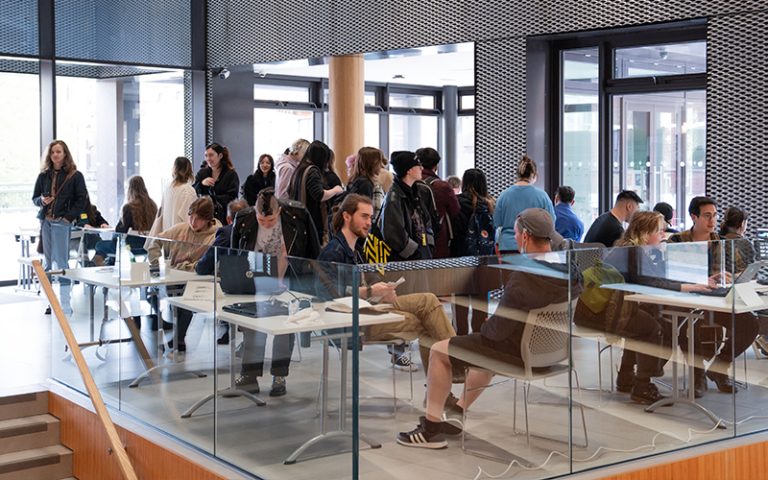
{"x":82,"y":433}
{"x":93,"y":391}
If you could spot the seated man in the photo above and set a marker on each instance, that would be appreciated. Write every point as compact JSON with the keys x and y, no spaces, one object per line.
{"x":499,"y":338}
{"x":191,"y":240}
{"x":423,"y":312}
{"x":703,"y":212}
{"x":282,"y":228}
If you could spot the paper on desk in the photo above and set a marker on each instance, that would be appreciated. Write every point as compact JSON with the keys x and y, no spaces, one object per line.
{"x":197,"y":291}
{"x":644,"y":289}
{"x":344,"y":305}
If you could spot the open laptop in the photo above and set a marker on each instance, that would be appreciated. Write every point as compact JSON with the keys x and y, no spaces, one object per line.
{"x":248,"y":274}
{"x":745,"y":276}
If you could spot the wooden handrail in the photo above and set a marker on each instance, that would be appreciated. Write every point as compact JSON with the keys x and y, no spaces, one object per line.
{"x":123,"y":461}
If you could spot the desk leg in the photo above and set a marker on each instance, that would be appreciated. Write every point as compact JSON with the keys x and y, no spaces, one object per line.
{"x":341,"y":432}
{"x":690,"y":398}
{"x":232,"y":390}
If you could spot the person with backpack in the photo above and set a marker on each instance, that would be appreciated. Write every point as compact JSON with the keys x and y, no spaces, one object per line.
{"x":405,"y":222}
{"x":474,"y":235}
{"x":446,"y":206}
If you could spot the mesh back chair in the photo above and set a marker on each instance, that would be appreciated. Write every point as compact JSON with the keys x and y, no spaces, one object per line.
{"x":584,"y":256}
{"x":545,"y":351}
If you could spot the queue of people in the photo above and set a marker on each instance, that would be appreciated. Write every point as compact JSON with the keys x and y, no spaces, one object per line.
{"x":300,"y":208}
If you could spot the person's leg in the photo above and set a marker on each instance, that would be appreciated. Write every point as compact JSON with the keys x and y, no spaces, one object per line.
{"x":479,"y":311}
{"x":741,"y":331}
{"x":438,"y":380}
{"x":428,"y":309}
{"x":103,"y":249}
{"x":254,"y":345}
{"x":59,"y":248}
{"x":183,"y":320}
{"x":45,"y":237}
{"x":646,"y":343}
{"x":462,"y":319}
{"x":282,"y":347}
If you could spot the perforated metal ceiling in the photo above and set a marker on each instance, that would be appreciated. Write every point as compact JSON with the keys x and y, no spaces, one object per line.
{"x":18,"y":27}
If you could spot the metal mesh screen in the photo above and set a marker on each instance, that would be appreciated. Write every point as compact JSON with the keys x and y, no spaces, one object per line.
{"x":140,"y":31}
{"x":737,"y":114}
{"x":18,"y":27}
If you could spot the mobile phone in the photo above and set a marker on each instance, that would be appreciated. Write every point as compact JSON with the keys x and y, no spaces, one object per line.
{"x":397,"y":282}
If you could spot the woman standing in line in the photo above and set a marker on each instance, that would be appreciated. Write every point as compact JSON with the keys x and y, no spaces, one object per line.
{"x":263,"y":177}
{"x":515,"y":199}
{"x":218,"y":180}
{"x":365,"y":177}
{"x":61,"y":194}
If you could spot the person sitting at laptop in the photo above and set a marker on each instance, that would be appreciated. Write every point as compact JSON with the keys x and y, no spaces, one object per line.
{"x":703,"y":212}
{"x":191,"y":240}
{"x":425,"y":318}
{"x":282,"y":228}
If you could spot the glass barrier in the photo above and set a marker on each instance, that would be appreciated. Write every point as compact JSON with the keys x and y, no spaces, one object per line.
{"x":539,"y":365}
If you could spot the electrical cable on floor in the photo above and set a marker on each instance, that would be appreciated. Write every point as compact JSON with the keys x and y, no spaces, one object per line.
{"x":482,"y":474}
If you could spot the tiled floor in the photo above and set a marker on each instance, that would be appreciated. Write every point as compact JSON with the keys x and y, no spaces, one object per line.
{"x":259,"y":438}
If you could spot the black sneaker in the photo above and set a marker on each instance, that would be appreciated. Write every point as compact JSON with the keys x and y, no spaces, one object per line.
{"x":452,"y":421}
{"x":403,"y":362}
{"x":723,"y":382}
{"x":425,"y":435}
{"x":47,"y":310}
{"x":278,"y":387}
{"x":224,"y":339}
{"x":646,"y":393}
{"x":247,"y":382}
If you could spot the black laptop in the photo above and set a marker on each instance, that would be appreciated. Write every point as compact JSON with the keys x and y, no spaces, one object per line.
{"x":266,"y":308}
{"x":248,"y":274}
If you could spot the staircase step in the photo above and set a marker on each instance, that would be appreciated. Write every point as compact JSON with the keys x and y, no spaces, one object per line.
{"x":24,"y":405}
{"x":18,"y":434}
{"x":37,"y":464}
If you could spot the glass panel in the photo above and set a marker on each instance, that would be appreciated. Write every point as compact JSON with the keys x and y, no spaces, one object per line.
{"x":275,"y":129}
{"x":659,"y":148}
{"x":284,"y":310}
{"x":411,"y":132}
{"x":465,"y":144}
{"x":657,"y":60}
{"x":371,"y":134}
{"x":580,"y":130}
{"x":411,"y":100}
{"x":20,"y":137}
{"x":119,"y":127}
{"x":280,"y":93}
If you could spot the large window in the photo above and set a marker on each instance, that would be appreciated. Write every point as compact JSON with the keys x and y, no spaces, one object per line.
{"x":631,"y":116}
{"x":119,"y":127}
{"x":20,"y":157}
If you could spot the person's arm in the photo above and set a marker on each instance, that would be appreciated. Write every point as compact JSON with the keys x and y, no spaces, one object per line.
{"x":226,"y":190}
{"x":452,"y":207}
{"x":201,"y":175}
{"x":155,"y":247}
{"x":392,"y":226}
{"x":126,"y":220}
{"x":206,"y":265}
{"x":37,"y":194}
{"x":79,"y":198}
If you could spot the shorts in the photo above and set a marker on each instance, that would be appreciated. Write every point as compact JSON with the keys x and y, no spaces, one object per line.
{"x":462,"y":349}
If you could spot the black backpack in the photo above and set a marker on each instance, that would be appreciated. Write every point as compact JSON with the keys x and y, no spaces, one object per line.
{"x":245,"y":227}
{"x":436,"y":219}
{"x":481,"y":234}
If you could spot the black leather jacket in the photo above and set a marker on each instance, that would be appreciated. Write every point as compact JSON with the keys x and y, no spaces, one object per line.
{"x":299,"y":233}
{"x":71,"y":195}
{"x":396,"y":223}
{"x":222,"y":192}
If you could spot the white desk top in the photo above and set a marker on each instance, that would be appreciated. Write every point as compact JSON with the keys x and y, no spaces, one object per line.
{"x":104,"y":277}
{"x":660,"y":296}
{"x":278,"y":325}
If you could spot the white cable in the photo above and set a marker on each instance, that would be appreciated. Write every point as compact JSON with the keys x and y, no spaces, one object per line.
{"x":482,"y":474}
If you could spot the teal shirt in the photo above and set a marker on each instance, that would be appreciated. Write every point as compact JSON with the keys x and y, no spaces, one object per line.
{"x":511,"y":202}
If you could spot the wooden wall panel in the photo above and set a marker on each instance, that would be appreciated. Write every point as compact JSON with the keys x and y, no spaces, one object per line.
{"x":748,"y":462}
{"x":82,"y":432}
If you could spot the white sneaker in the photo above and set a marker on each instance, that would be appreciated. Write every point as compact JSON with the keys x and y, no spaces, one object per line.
{"x":403,"y":362}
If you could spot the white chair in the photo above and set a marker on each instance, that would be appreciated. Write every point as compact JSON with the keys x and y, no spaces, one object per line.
{"x":545,"y":351}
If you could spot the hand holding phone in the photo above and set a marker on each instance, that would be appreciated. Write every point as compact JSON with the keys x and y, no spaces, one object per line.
{"x":396,"y":283}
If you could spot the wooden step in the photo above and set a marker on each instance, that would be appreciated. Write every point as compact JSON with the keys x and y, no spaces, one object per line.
{"x":24,"y":433}
{"x":23,"y":405}
{"x":37,"y":464}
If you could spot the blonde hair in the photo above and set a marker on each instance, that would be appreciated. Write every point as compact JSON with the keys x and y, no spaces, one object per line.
{"x":640,"y":227}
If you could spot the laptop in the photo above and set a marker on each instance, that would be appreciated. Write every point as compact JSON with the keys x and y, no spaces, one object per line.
{"x":745,"y":276}
{"x":266,"y":308}
{"x":248,"y":274}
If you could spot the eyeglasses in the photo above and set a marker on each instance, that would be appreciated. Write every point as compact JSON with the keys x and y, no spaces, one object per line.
{"x":709,"y":216}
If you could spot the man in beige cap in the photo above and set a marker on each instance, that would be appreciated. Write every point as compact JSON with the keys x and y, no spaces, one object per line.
{"x":500,"y":336}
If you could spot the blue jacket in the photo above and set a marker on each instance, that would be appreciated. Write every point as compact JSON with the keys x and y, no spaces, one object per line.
{"x":206,"y":264}
{"x":335,"y":280}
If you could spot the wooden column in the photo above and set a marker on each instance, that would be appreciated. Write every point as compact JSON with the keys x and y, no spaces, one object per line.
{"x":346,"y":108}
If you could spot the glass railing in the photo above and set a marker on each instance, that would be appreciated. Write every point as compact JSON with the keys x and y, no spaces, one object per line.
{"x":565,"y":361}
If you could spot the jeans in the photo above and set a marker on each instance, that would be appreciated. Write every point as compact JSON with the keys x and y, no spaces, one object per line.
{"x":56,"y":245}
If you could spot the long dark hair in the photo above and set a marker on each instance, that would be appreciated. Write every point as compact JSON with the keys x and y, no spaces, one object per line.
{"x":475,"y":184}
{"x":142,"y":206}
{"x":271,"y":172}
{"x":224,"y":152}
{"x":317,"y":154}
{"x":732,"y":220}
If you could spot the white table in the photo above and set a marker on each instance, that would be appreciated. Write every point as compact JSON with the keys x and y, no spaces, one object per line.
{"x":104,"y":277}
{"x":279,"y":325}
{"x":691,"y":305}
